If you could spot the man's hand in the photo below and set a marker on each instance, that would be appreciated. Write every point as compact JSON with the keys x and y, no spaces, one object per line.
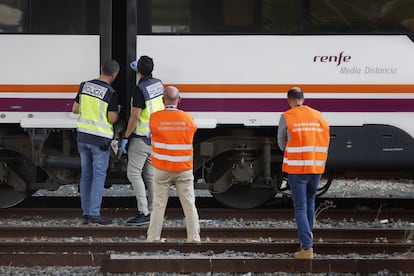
{"x":124,"y":145}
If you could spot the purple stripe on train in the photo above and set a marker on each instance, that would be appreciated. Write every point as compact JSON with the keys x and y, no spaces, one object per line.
{"x":35,"y":105}
{"x":279,"y":105}
{"x":229,"y":105}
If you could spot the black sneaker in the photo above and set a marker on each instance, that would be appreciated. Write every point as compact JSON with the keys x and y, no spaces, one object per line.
{"x":139,"y":219}
{"x":85,"y":219}
{"x":99,"y":220}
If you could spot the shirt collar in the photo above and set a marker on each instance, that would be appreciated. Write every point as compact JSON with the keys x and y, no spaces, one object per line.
{"x":170,"y":107}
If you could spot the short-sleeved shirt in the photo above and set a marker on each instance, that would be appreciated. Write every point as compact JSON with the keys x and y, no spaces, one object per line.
{"x":112,"y":106}
{"x":138,"y":99}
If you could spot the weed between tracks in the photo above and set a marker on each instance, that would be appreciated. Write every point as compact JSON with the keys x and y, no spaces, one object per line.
{"x":327,"y":204}
{"x":409,"y":235}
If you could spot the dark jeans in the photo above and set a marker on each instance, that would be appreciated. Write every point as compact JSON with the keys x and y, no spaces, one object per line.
{"x":304,"y":188}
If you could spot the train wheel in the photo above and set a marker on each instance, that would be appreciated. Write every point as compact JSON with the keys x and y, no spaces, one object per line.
{"x":234,"y":188}
{"x":245,"y":197}
{"x":10,"y":197}
{"x":16,"y":172}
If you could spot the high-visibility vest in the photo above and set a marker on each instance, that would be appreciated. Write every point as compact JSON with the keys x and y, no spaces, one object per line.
{"x":172,"y":140}
{"x":93,"y":118}
{"x":307,"y":150}
{"x":152,"y":90}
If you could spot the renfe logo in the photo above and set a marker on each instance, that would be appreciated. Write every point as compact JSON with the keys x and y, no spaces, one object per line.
{"x":337,"y":59}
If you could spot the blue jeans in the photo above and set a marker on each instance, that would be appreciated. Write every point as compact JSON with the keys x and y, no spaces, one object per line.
{"x":94,"y":164}
{"x":304,"y":188}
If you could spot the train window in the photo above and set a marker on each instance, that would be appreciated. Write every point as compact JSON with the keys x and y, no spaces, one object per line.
{"x":49,"y":16}
{"x":225,"y":16}
{"x":199,"y":16}
{"x":275,"y":16}
{"x":170,"y":16}
{"x":163,"y":16}
{"x":355,"y":16}
{"x":284,"y":16}
{"x":11,"y":14}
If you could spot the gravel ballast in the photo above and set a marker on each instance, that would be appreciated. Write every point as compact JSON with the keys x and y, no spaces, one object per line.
{"x":339,"y":188}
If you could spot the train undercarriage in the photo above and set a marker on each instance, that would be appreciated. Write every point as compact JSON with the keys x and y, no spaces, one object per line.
{"x":240,"y":167}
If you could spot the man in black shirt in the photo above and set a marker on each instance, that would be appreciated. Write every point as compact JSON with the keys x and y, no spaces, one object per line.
{"x":146,"y":99}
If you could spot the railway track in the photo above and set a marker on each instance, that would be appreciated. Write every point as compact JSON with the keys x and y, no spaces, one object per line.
{"x":209,"y":202}
{"x":89,"y":233}
{"x":91,"y":253}
{"x":120,"y":249}
{"x":116,"y":256}
{"x":38,"y":214}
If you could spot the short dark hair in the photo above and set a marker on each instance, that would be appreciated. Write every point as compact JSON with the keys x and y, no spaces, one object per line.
{"x":145,"y":65}
{"x":109,"y":67}
{"x":295,"y":93}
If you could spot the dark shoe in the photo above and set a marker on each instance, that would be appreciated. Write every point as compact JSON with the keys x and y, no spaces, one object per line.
{"x":139,"y":219}
{"x":85,"y":219}
{"x":100,"y":220}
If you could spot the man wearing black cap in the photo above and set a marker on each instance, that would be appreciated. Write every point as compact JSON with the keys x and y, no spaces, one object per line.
{"x":146,"y":99}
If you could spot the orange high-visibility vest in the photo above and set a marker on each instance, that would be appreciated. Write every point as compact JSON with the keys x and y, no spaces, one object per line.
{"x":307,"y":150}
{"x":172,"y":140}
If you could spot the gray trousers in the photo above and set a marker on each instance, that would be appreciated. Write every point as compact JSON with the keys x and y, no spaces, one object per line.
{"x":140,"y":173}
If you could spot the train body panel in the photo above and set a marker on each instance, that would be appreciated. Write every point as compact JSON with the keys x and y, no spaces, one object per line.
{"x":239,"y":80}
{"x":40,"y":76}
{"x":233,"y":73}
{"x":262,"y":59}
{"x":47,"y":60}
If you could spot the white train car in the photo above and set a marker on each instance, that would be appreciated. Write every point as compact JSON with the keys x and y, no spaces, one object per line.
{"x":233,"y":62}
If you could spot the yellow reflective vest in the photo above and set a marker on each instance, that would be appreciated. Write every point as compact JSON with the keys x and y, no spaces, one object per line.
{"x":93,"y":118}
{"x":152,"y":90}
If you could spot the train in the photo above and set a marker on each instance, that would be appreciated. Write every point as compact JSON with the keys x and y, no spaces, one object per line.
{"x":233,"y":62}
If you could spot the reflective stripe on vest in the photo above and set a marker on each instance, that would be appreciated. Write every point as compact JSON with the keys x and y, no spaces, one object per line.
{"x":173,"y":146}
{"x":303,"y":162}
{"x":93,"y":120}
{"x":152,"y":90}
{"x":172,"y":140}
{"x":307,"y":150}
{"x":172,"y":158}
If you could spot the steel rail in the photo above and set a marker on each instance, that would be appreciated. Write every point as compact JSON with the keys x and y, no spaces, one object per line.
{"x":213,"y":213}
{"x":124,"y":202}
{"x":231,"y":265}
{"x":367,"y":235}
{"x":209,"y":263}
{"x":88,"y":246}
